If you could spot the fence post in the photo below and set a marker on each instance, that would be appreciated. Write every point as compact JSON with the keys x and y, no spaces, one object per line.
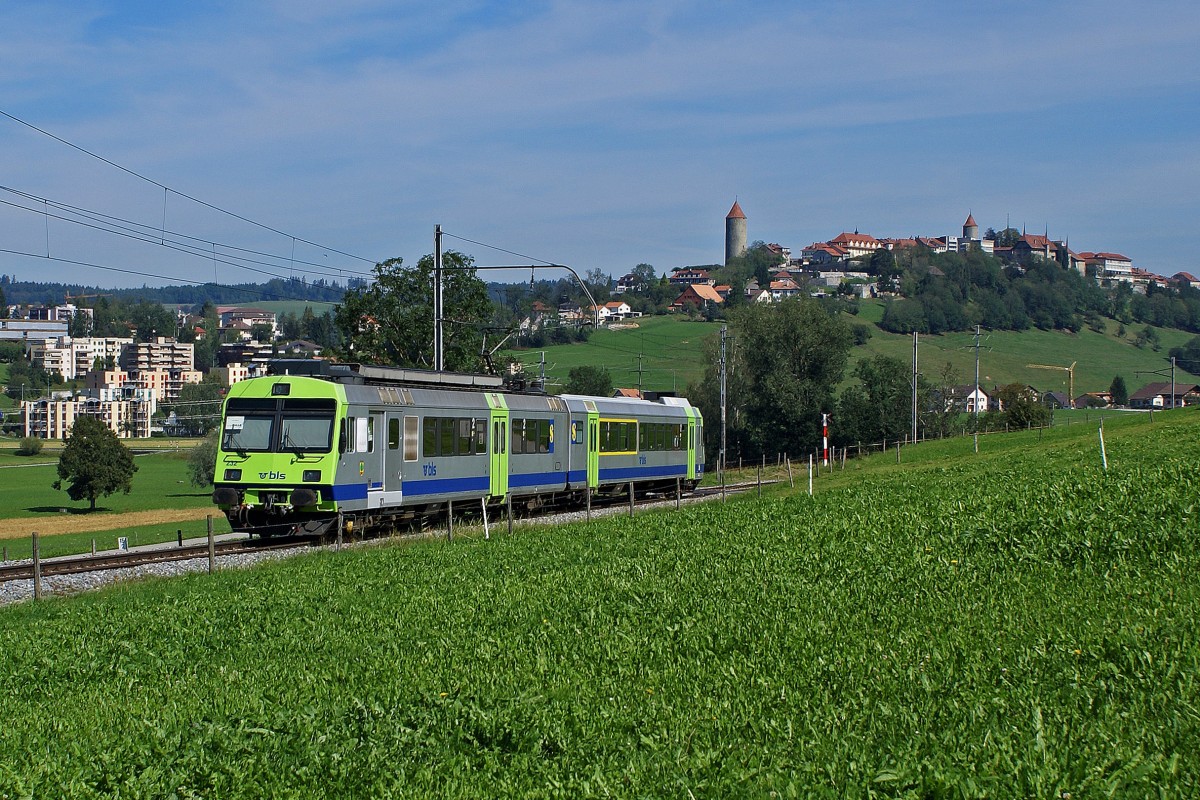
{"x":588,"y":495}
{"x":37,"y":568}
{"x":337,"y":546}
{"x":179,"y":536}
{"x":212,"y":548}
{"x":93,"y":546}
{"x":631,"y":498}
{"x":791,"y":482}
{"x":449,"y":520}
{"x":760,"y":480}
{"x":483,"y":503}
{"x":6,"y":554}
{"x":508,"y":504}
{"x":678,"y":493}
{"x":810,"y":474}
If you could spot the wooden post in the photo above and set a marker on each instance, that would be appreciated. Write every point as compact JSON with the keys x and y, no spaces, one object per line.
{"x":179,"y":536}
{"x":897,"y":451}
{"x":810,"y":474}
{"x":678,"y":493}
{"x":483,"y":502}
{"x":6,"y":554}
{"x":588,"y":494}
{"x":631,"y":498}
{"x":37,"y":568}
{"x":760,"y":479}
{"x":93,"y":546}
{"x":449,"y":520}
{"x":508,"y":505}
{"x":212,"y":547}
{"x":341,"y":524}
{"x":791,"y":482}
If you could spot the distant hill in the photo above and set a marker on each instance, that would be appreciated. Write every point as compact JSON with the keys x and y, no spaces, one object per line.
{"x":38,"y":293}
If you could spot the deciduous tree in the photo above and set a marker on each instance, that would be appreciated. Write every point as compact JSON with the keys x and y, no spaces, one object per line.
{"x":94,"y":463}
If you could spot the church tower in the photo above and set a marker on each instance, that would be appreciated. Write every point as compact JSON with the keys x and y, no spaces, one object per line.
{"x":735,"y":233}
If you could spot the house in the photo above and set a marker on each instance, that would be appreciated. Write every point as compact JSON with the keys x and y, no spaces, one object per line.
{"x":684,"y":276}
{"x":1159,"y":395}
{"x":1186,"y":278}
{"x":967,"y":398}
{"x":857,"y":244}
{"x":628,"y":283}
{"x":1094,"y":400}
{"x":615,"y":310}
{"x":783,"y":289}
{"x":697,"y":295}
{"x":1056,"y":400}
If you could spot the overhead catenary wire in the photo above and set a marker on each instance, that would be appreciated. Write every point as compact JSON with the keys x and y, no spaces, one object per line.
{"x":170,"y":190}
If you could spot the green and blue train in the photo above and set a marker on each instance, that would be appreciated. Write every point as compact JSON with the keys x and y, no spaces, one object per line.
{"x":313,"y":440}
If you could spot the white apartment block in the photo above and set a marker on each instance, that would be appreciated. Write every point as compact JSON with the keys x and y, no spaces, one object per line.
{"x":73,"y":358}
{"x":53,"y":418}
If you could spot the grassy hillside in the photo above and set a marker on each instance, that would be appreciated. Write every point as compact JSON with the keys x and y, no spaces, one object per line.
{"x":1003,"y":355}
{"x":672,"y":346}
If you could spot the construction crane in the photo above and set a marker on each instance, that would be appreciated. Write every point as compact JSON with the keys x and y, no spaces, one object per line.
{"x":1070,"y":375}
{"x":68,"y":297}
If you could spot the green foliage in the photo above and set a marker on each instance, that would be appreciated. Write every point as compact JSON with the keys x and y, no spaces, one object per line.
{"x":198,"y":408}
{"x":202,"y":461}
{"x":786,"y":360}
{"x":880,"y":406}
{"x":1120,"y":393}
{"x":390,"y":321}
{"x":94,"y":463}
{"x":1021,"y":407}
{"x":589,"y":380}
{"x":30,"y":446}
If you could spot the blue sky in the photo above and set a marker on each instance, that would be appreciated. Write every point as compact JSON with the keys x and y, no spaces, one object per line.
{"x":596,"y":134}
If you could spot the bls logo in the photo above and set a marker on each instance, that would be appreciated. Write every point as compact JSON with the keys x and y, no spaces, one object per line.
{"x":272,"y":476}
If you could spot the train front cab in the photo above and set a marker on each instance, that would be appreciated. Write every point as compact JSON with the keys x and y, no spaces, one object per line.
{"x":276,"y":458}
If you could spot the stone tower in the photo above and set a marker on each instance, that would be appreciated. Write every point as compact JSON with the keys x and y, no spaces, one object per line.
{"x":970,"y":228}
{"x":735,"y":233}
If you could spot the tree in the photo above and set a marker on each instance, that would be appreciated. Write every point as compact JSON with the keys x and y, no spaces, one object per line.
{"x":198,"y":409}
{"x":1021,"y":408}
{"x":390,"y":321}
{"x":1119,"y":392}
{"x":94,"y":462}
{"x":782,"y":368}
{"x":646,"y":275}
{"x":880,"y":407}
{"x":589,"y":380}
{"x":202,"y":461}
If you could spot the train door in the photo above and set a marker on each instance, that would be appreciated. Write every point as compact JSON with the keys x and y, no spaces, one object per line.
{"x":691,"y":444}
{"x":371,"y":459}
{"x":498,"y":452}
{"x":393,"y":459}
{"x":593,"y":444}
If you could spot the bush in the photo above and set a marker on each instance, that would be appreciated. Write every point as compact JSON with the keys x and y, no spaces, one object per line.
{"x":30,"y":446}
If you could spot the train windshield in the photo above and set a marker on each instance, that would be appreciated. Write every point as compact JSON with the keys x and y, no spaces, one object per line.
{"x":279,"y":426}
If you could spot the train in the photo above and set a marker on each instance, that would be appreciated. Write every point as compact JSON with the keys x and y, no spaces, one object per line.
{"x":312,"y":442}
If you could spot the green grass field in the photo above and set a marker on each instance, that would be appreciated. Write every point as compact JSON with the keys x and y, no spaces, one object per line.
{"x":160,"y":482}
{"x":672,"y":346}
{"x":1018,"y":623}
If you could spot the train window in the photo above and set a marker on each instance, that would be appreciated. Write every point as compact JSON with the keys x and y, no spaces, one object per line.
{"x":361,"y":432}
{"x":411,"y":429}
{"x":350,"y":428}
{"x":446,"y":437}
{"x":429,"y":437}
{"x":543,"y":436}
{"x":466,"y":436}
{"x":301,"y":433}
{"x":518,"y":436}
{"x":371,"y":434}
{"x":393,"y":433}
{"x":480,"y":436}
{"x":343,"y":437}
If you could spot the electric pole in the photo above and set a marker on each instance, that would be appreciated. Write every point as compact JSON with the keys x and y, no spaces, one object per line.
{"x":438,"y":359}
{"x":721,"y":459}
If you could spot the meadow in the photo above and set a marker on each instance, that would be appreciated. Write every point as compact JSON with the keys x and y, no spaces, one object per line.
{"x":1017,"y":623}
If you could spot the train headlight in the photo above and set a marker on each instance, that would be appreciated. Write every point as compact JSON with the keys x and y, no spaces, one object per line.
{"x":312,"y":475}
{"x":233,"y":474}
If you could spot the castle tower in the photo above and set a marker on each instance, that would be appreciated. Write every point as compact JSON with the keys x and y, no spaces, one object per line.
{"x":970,"y":228}
{"x":735,"y":233}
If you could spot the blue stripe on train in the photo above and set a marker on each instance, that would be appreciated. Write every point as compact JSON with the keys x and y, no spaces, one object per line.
{"x":634,"y":473}
{"x":519,"y":480}
{"x":478,"y":484}
{"x":348,"y":491}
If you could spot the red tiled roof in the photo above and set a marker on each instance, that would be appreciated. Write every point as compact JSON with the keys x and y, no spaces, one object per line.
{"x":970,"y":221}
{"x":735,"y":212}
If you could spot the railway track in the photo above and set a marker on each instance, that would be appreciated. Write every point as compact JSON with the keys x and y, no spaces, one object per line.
{"x":74,"y":565}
